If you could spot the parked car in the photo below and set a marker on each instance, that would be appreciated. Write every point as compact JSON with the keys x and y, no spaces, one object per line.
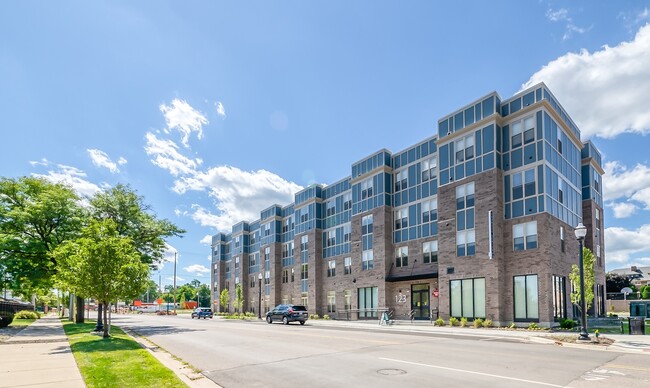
{"x":287,"y":313}
{"x":202,"y":312}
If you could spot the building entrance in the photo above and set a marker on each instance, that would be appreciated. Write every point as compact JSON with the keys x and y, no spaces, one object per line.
{"x":420,"y":305}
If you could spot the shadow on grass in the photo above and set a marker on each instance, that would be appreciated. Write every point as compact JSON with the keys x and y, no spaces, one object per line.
{"x":100,"y":344}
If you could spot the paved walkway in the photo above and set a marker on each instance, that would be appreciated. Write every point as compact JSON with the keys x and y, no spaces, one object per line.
{"x":39,"y":356}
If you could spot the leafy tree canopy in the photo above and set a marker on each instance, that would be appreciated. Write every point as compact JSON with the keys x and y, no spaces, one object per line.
{"x":133,"y":218}
{"x":588,"y":259}
{"x":616,"y":282}
{"x":36,"y":216}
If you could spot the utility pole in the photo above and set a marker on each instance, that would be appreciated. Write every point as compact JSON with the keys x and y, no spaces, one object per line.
{"x":175,"y":253}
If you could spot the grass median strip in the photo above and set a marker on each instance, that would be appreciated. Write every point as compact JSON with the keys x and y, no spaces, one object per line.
{"x":117,"y":361}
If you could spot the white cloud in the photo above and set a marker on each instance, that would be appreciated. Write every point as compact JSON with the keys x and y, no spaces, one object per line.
{"x":221,"y":111}
{"x":43,"y":162}
{"x":121,"y":161}
{"x":623,"y":209}
{"x":238,"y":195}
{"x":182,"y":117}
{"x":197,"y":269}
{"x":562,"y":15}
{"x":209,"y":258}
{"x":621,"y":243}
{"x":628,"y":183}
{"x":178,"y":279}
{"x":606,"y":91}
{"x":72,"y":177}
{"x":166,"y":156}
{"x":206,"y":240}
{"x":101,"y":159}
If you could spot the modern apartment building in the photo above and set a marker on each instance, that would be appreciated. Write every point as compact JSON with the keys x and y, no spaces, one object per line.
{"x":476,"y":221}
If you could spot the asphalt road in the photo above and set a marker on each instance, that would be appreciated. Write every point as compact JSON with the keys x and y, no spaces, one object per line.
{"x":255,"y":354}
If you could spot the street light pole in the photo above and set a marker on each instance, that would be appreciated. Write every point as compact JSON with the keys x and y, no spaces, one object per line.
{"x":581,"y":232}
{"x":259,"y":306}
{"x":175,"y":253}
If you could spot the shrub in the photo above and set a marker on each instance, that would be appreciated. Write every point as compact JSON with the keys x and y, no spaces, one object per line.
{"x":453,"y":321}
{"x":533,"y":326}
{"x":27,"y":314}
{"x":567,"y":323}
{"x":326,"y":317}
{"x":463,"y":322}
{"x":487,"y":323}
{"x":478,"y":322}
{"x":439,"y":322}
{"x":512,"y":326}
{"x":314,"y":316}
{"x":5,"y":319}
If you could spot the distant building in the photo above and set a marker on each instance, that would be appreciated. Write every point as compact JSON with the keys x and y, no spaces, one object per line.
{"x":639,"y":276}
{"x":476,"y":221}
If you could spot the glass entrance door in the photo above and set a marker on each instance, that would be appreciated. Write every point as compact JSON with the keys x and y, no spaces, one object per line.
{"x":420,"y":305}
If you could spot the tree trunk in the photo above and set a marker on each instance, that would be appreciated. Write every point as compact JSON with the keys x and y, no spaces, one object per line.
{"x":106,"y":333}
{"x":100,"y":325}
{"x":79,"y":309}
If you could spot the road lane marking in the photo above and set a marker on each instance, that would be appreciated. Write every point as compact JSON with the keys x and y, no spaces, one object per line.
{"x":472,"y":372}
{"x":627,"y":367}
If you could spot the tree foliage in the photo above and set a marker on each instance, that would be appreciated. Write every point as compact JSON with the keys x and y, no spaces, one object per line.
{"x":239,"y":298}
{"x":224,"y":300}
{"x":204,"y":295}
{"x":36,"y":216}
{"x":588,"y":259}
{"x":133,"y":218}
{"x":102,"y":264}
{"x":616,"y":282}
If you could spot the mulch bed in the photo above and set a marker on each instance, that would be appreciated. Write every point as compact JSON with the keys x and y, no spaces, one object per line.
{"x":573,"y":339}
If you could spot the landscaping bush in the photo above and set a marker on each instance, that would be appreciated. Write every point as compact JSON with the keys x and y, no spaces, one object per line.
{"x":5,"y":319}
{"x":326,"y":317}
{"x":463,"y":322}
{"x":439,"y":322}
{"x":478,"y":323}
{"x":453,"y":321}
{"x":533,"y":326}
{"x":487,"y":323}
{"x":512,"y":326}
{"x":314,"y":316}
{"x":27,"y":314}
{"x":567,"y":323}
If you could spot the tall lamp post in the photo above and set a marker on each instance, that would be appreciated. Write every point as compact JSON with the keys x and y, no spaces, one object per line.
{"x":581,"y":232}
{"x":259,"y":306}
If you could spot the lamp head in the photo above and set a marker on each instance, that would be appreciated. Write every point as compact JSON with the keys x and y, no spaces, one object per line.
{"x":581,"y":231}
{"x":259,"y":277}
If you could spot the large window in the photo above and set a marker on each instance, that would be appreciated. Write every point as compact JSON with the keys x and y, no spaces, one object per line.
{"x":465,"y":234}
{"x":430,"y":252}
{"x":347,"y":295}
{"x":526,"y":297}
{"x":559,"y":297}
{"x":430,"y":210}
{"x":525,"y":236}
{"x":465,"y":148}
{"x":347,"y":265}
{"x":368,"y":302}
{"x":367,"y":260}
{"x":304,"y":277}
{"x":331,"y":301}
{"x":402,"y":257}
{"x":331,"y":268}
{"x":401,"y":182}
{"x":467,"y":298}
{"x":401,"y":218}
{"x":366,"y":188}
{"x":429,"y":169}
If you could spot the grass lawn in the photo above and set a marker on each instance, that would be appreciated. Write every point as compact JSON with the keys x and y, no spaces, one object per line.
{"x":117,"y":361}
{"x":22,"y":322}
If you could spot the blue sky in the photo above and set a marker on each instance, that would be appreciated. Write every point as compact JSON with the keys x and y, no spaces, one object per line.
{"x":215,"y":110}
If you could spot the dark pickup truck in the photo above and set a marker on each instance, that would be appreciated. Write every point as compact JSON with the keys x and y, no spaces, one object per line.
{"x":288,"y":313}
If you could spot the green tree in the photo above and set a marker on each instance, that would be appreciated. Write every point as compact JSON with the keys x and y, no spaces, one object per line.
{"x":134,"y":219}
{"x":186,"y":292}
{"x":204,"y":294}
{"x":645,"y":292}
{"x":151,"y":292}
{"x":239,"y":298}
{"x":588,"y":262}
{"x":36,"y":216}
{"x":102,"y":264}
{"x":224,"y":300}
{"x":615,"y":282}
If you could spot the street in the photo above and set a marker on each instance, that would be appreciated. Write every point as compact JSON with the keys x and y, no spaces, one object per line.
{"x":237,"y":353}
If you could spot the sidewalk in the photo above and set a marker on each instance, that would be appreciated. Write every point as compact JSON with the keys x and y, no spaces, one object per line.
{"x":623,"y":342}
{"x":39,"y":356}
